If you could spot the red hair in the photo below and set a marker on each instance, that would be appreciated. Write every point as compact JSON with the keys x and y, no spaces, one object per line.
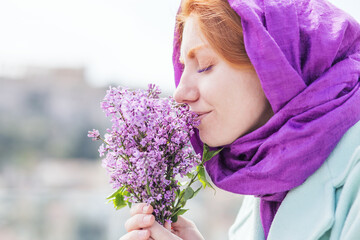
{"x":220,"y":25}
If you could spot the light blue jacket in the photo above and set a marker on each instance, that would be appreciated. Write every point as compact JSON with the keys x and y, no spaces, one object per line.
{"x":325,"y":206}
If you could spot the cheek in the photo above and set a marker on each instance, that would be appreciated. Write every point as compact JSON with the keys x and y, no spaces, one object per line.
{"x":210,"y":89}
{"x":243,"y":107}
{"x":237,"y":100}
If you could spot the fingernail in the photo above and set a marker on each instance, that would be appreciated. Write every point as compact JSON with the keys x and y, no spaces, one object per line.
{"x":142,"y":234}
{"x":146,"y":208}
{"x":147,"y":219}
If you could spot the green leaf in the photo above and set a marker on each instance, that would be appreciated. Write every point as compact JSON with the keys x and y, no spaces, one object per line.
{"x":188,"y":194}
{"x":177,"y":213}
{"x":174,"y":212}
{"x":182,"y":211}
{"x":196,"y":191}
{"x":115,"y":193}
{"x":206,"y":148}
{"x":117,"y":198}
{"x":211,"y":186}
{"x":207,"y":154}
{"x":202,"y":177}
{"x":119,"y":201}
{"x":126,"y":193}
{"x":174,"y":218}
{"x":190,"y":175}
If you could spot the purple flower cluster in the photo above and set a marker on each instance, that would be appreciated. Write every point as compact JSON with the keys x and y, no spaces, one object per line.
{"x":147,"y":148}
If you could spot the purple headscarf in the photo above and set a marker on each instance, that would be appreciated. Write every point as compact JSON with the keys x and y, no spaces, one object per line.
{"x":307,"y":56}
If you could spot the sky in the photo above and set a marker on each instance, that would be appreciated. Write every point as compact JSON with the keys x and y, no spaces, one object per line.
{"x":116,"y":41}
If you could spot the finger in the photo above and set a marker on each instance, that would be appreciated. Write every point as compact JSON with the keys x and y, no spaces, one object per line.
{"x":139,"y":221}
{"x":159,"y":232}
{"x":137,"y":235}
{"x":182,"y":222}
{"x":141,"y":208}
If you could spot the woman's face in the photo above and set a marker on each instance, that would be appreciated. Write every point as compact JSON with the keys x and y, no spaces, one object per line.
{"x":229,"y":100}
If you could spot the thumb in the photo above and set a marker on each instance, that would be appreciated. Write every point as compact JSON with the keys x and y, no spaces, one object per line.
{"x":160,"y":232}
{"x":181,"y":222}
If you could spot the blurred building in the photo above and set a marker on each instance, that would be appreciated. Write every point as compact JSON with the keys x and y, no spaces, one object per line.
{"x":47,"y":113}
{"x":52,"y":185}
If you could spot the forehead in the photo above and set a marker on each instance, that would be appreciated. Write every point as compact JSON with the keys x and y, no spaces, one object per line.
{"x":192,"y":36}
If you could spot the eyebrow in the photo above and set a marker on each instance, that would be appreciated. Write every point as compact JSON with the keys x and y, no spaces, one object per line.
{"x":192,"y":52}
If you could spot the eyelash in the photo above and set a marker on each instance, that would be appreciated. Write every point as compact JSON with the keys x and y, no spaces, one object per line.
{"x":205,"y":69}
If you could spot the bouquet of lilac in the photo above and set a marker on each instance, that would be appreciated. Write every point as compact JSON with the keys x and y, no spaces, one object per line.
{"x":147,"y":151}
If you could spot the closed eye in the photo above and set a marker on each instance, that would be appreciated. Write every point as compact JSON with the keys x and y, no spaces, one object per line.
{"x":205,"y":69}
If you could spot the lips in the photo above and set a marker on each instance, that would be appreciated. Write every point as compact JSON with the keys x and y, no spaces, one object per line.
{"x":201,"y":115}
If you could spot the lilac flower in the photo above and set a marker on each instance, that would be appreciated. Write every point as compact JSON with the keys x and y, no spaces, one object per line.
{"x":147,"y":149}
{"x":94,"y":134}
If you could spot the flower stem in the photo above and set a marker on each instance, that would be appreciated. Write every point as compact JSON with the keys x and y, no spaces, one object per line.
{"x":182,"y":194}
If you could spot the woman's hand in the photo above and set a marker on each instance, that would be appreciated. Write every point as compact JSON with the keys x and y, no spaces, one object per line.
{"x":139,"y":223}
{"x":186,"y":229}
{"x":142,"y":225}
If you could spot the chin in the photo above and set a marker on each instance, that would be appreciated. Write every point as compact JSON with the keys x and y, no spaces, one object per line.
{"x":211,"y":142}
{"x":206,"y":140}
{"x":212,"y":145}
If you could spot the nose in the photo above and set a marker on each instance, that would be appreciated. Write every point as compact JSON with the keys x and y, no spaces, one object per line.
{"x":187,"y":91}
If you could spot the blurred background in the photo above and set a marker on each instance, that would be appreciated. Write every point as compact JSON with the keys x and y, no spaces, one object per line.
{"x":57,"y":58}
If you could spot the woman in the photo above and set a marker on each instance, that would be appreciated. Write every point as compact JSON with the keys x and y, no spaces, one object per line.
{"x":276,"y":83}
